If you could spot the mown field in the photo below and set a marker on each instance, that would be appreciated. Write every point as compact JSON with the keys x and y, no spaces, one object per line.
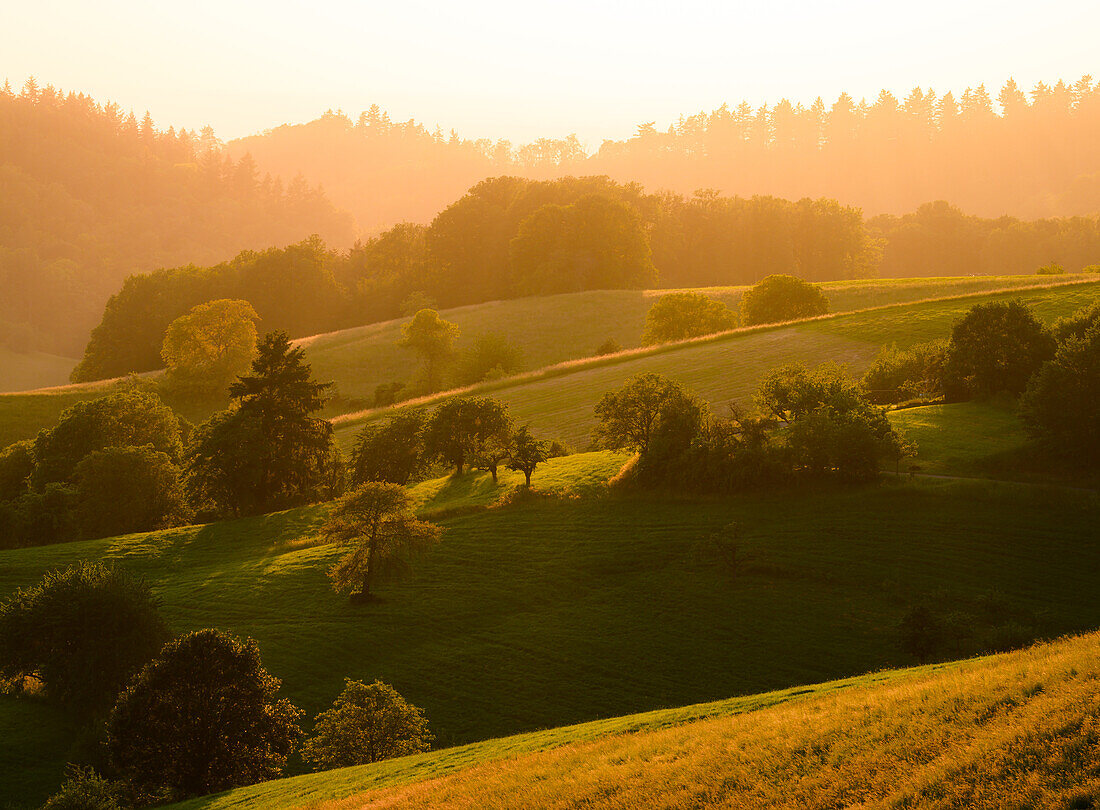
{"x":1015,"y":730}
{"x":554,"y":611}
{"x":727,"y":369}
{"x":22,"y":371}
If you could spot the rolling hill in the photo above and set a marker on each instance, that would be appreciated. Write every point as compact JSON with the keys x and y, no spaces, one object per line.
{"x":1014,"y":730}
{"x":556,"y":610}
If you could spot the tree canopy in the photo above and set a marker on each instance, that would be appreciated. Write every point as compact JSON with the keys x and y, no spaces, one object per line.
{"x":782,"y":298}
{"x":679,"y":316}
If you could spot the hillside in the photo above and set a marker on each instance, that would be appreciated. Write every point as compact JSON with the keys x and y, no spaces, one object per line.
{"x":494,"y":635}
{"x":1011,"y":730}
{"x":727,"y":368}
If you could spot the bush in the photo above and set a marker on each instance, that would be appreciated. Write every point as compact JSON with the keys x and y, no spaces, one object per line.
{"x":128,"y":489}
{"x":386,"y":394}
{"x":39,"y":518}
{"x":921,"y":633}
{"x":898,"y":375}
{"x":81,"y":631}
{"x":679,"y":316}
{"x":994,"y":349}
{"x":1052,"y":269}
{"x":16,"y":466}
{"x":366,"y":724}
{"x":490,"y":356}
{"x":201,"y":718}
{"x":84,"y":789}
{"x":609,"y":346}
{"x":1077,"y":324}
{"x":782,"y":298}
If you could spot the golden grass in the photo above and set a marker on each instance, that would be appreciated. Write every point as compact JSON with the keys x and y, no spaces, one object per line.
{"x":1015,"y":731}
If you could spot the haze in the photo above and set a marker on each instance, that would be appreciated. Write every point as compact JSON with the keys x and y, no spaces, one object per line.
{"x":523,"y":71}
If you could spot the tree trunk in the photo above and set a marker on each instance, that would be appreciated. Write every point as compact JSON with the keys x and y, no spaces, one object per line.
{"x":527,"y":475}
{"x":493,"y":472}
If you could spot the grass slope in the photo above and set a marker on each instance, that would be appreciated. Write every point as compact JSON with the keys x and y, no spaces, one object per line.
{"x":21,"y":371}
{"x":728,"y":368}
{"x":557,"y":611}
{"x":1017,"y":730}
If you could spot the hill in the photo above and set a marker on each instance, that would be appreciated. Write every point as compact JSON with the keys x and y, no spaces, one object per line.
{"x":1011,"y":730}
{"x":558,"y":610}
{"x":91,"y":195}
{"x":24,"y":371}
{"x":726,"y":368}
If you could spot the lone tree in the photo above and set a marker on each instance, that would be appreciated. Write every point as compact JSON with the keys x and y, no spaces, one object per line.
{"x":433,"y":339}
{"x":464,"y":430}
{"x":628,"y":417}
{"x":382,"y":535}
{"x":391,"y":452}
{"x":204,"y":716}
{"x":267,"y":451}
{"x":527,"y":453}
{"x":366,"y":724}
{"x":679,"y":316}
{"x":81,"y":632}
{"x":994,"y":349}
{"x":208,"y":347}
{"x":782,"y":298}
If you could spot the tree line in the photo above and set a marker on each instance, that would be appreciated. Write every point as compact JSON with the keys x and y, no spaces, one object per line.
{"x":93,"y":194}
{"x":510,"y":237}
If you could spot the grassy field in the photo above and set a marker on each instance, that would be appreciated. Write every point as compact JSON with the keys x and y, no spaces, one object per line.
{"x":727,"y":369}
{"x":560,"y":610}
{"x":22,"y":371}
{"x":557,"y":328}
{"x":1016,"y":730}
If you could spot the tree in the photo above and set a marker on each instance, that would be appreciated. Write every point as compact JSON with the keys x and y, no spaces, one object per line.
{"x":995,"y":348}
{"x":527,"y":453}
{"x":208,"y":347}
{"x":782,"y":298}
{"x":902,"y":374}
{"x":16,"y":467}
{"x":1059,"y":406}
{"x":628,"y":417}
{"x":81,"y":631}
{"x":433,"y":339}
{"x":679,"y":316}
{"x":131,"y":418}
{"x":84,"y":789}
{"x":490,"y":357}
{"x":129,"y":489}
{"x":1077,"y":324}
{"x":392,"y":452}
{"x":920,"y":633}
{"x":366,"y":724}
{"x":266,"y":451}
{"x":204,"y":716}
{"x":462,"y":429}
{"x":382,"y":535}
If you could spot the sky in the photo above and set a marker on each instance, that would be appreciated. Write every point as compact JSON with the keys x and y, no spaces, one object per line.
{"x":520,"y":70}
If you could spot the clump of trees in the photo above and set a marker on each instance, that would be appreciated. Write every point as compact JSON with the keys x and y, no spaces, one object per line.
{"x":367,"y":723}
{"x":679,"y":316}
{"x":489,"y":358}
{"x":899,"y":375}
{"x":780,"y":298}
{"x":810,"y":423}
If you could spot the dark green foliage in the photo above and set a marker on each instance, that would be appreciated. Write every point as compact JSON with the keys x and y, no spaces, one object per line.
{"x":596,"y":243}
{"x":376,"y":523}
{"x":128,"y":489}
{"x":266,"y":451}
{"x":39,"y":518}
{"x":1077,"y":324}
{"x":366,"y":724}
{"x":84,"y":789}
{"x":392,"y":451}
{"x":527,"y":453}
{"x":386,"y":394}
{"x":609,"y":346}
{"x":16,"y":466}
{"x":82,"y":632}
{"x":463,"y":429}
{"x":132,"y":418}
{"x":628,"y":417}
{"x":433,"y":339}
{"x":204,"y":716}
{"x":898,"y":375}
{"x":490,"y":357}
{"x":1061,"y":405}
{"x":679,"y":316}
{"x":782,"y":298}
{"x":994,"y":349}
{"x":921,"y":633}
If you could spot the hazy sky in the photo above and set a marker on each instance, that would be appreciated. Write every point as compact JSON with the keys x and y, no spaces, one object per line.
{"x":520,"y":70}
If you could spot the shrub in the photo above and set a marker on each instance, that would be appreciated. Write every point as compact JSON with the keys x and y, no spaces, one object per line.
{"x":39,"y":518}
{"x":16,"y":466}
{"x":81,"y":631}
{"x":490,"y":356}
{"x":1077,"y":324}
{"x":898,"y":375}
{"x":386,"y":394}
{"x":782,"y":298}
{"x":201,"y":718}
{"x":128,"y":489}
{"x":995,"y":348}
{"x":84,"y":789}
{"x":609,"y":346}
{"x":366,"y":724}
{"x":1052,"y":269}
{"x":679,"y":316}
